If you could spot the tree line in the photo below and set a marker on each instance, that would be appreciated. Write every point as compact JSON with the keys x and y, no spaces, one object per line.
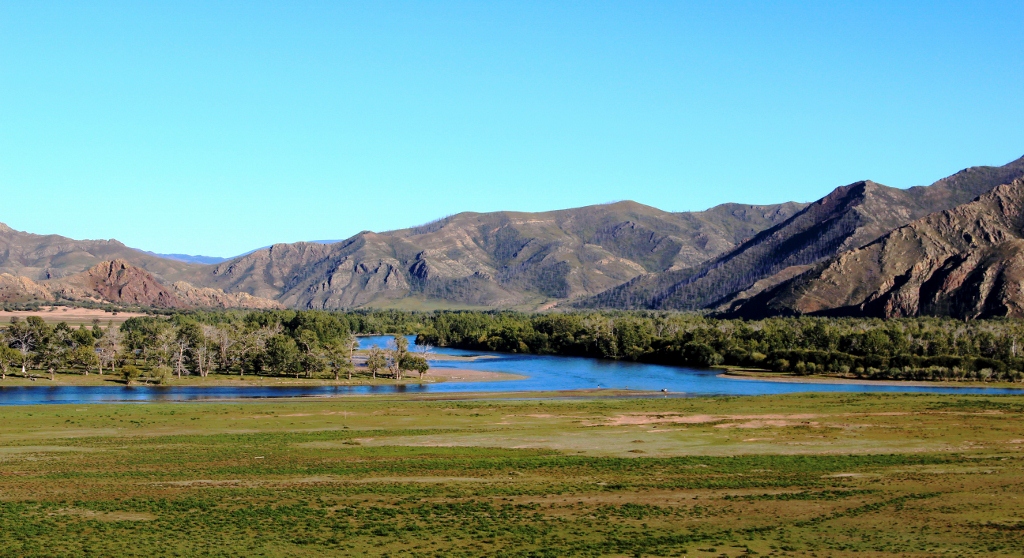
{"x":276,"y":343}
{"x":909,"y":349}
{"x":320,"y":344}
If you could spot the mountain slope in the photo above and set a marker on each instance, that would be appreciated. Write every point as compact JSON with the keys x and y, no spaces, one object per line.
{"x":966,"y":262}
{"x":116,"y":281}
{"x":22,"y":289}
{"x":492,"y":259}
{"x":847,"y":218}
{"x":41,"y":257}
{"x":119,"y":282}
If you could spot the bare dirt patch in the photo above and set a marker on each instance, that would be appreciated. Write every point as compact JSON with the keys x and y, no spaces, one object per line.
{"x":107,"y":516}
{"x":672,"y":418}
{"x":772,"y":423}
{"x":463,"y":375}
{"x":55,"y":314}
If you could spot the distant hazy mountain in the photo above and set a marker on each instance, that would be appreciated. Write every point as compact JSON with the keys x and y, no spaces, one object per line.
{"x":186,"y":258}
{"x":849,"y":217}
{"x":496,"y":259}
{"x":965,"y":262}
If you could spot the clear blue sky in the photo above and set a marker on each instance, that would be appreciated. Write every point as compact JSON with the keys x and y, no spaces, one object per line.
{"x":216,"y":127}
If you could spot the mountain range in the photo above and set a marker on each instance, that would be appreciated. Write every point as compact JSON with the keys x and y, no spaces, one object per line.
{"x":733,"y":259}
{"x":847,"y":218}
{"x":966,"y":262}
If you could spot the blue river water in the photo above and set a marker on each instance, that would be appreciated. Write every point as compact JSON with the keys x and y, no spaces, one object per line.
{"x":541,"y":373}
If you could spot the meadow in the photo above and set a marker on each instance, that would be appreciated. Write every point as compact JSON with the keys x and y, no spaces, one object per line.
{"x":794,"y":475}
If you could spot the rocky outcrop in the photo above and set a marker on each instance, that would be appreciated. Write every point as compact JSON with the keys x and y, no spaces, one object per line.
{"x":966,"y":262}
{"x":205,"y":297}
{"x":119,"y":282}
{"x":848,"y":218}
{"x":22,"y":289}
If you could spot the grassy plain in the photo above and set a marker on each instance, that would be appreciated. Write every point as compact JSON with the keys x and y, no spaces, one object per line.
{"x":803,"y":475}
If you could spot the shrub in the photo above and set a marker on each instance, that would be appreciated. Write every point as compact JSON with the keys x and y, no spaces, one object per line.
{"x":161,"y":374}
{"x":130,"y":373}
{"x":700,"y":354}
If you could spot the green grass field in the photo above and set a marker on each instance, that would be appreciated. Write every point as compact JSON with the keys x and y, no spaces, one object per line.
{"x":801,"y":475}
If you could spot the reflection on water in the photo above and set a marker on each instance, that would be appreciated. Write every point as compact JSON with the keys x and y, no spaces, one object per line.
{"x":543,"y":373}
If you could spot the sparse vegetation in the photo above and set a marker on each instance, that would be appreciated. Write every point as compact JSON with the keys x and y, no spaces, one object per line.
{"x":831,"y":475}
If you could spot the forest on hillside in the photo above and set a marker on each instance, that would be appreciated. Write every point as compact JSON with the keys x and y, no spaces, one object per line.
{"x":320,"y":344}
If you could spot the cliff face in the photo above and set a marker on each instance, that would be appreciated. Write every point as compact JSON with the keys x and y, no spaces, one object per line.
{"x":205,"y":297}
{"x":119,"y":282}
{"x":848,"y":218}
{"x":965,"y":262}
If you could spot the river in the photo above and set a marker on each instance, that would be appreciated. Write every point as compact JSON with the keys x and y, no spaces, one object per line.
{"x":542,"y":373}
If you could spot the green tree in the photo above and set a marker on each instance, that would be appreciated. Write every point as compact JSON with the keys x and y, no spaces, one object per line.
{"x":161,"y":374}
{"x":415,"y":363}
{"x":398,"y":349}
{"x":8,"y":357}
{"x":52,"y":352}
{"x":109,"y":346}
{"x":282,"y":355}
{"x":313,"y":356}
{"x":24,"y":338}
{"x":84,"y":356}
{"x":130,"y":373}
{"x":633,"y":338}
{"x":700,"y":354}
{"x":336,"y":354}
{"x":376,"y":360}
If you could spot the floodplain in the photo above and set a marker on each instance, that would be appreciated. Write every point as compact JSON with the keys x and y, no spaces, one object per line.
{"x":580,"y":474}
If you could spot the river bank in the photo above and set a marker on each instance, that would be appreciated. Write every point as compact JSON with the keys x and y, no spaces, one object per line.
{"x":787,"y":378}
{"x":360,"y":378}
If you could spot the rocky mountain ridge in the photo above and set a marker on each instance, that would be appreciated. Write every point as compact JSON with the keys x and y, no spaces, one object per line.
{"x":119,"y":282}
{"x":847,"y":218}
{"x":499,"y":259}
{"x":966,"y":262}
{"x":621,"y":255}
{"x":50,"y":256}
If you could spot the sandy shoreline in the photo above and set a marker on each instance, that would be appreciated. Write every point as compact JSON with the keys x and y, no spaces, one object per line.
{"x":434,"y":376}
{"x":463,"y":375}
{"x":775,"y":377}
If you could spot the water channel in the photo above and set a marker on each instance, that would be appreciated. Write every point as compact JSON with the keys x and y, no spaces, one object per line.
{"x":540,"y":373}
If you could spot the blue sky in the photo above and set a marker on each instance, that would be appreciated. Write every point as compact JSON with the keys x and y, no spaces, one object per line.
{"x":216,"y":127}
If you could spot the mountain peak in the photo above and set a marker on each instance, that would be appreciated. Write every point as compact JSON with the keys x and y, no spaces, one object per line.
{"x":967,"y":261}
{"x":847,"y":218}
